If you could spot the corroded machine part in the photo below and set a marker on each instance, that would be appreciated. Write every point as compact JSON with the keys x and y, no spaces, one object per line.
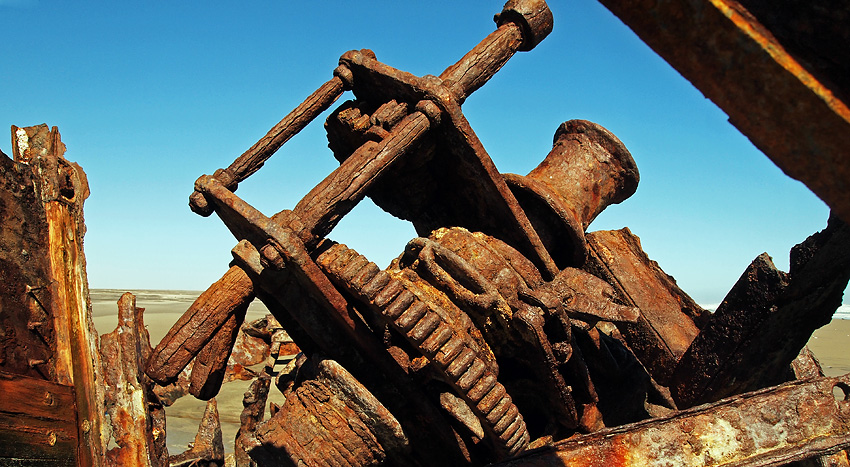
{"x":587,"y":170}
{"x":484,"y":338}
{"x":427,"y":100}
{"x":435,"y":327}
{"x":330,"y":416}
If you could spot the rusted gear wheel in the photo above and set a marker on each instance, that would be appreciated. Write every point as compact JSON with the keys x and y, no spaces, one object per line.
{"x":446,"y":339}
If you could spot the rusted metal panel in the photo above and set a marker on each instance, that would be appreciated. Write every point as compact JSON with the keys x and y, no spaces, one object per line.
{"x":716,"y":352}
{"x":814,"y":32}
{"x":38,"y":421}
{"x":770,"y":427}
{"x":666,"y":326}
{"x":765,"y":319}
{"x":797,"y":120}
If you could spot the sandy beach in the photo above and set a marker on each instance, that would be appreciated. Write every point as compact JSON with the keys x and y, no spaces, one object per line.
{"x":164,"y":308}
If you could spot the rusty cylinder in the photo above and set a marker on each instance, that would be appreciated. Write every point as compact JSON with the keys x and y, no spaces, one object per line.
{"x":587,"y":170}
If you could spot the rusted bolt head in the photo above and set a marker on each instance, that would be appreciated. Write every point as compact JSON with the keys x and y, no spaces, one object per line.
{"x":532,"y":16}
{"x":198,"y":204}
{"x":271,"y":256}
{"x":344,"y":73}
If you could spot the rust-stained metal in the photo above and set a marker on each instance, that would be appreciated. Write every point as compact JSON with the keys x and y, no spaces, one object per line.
{"x":329,"y":418}
{"x":666,"y":327}
{"x":504,"y":326}
{"x":208,"y":448}
{"x":431,"y":99}
{"x":734,"y":60}
{"x":587,"y":170}
{"x":137,"y":418}
{"x":253,"y":412}
{"x":765,"y":319}
{"x":770,"y":427}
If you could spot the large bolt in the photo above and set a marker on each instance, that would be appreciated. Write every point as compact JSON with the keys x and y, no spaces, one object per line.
{"x":587,"y":170}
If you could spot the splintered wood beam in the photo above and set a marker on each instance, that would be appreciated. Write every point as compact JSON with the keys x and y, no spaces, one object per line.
{"x":797,"y":120}
{"x":61,"y":188}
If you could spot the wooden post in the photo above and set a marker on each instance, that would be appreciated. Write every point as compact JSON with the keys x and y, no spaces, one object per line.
{"x":57,"y":293}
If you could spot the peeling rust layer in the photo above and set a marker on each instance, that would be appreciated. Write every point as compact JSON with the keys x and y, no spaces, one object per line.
{"x":789,"y":114}
{"x":137,"y":418}
{"x":765,"y":428}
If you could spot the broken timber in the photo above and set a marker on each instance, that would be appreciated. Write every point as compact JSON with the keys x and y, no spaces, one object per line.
{"x":46,"y":332}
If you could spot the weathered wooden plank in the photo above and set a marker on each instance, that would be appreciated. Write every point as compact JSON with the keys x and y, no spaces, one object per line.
{"x":36,"y":397}
{"x":62,"y":294}
{"x":38,"y":420}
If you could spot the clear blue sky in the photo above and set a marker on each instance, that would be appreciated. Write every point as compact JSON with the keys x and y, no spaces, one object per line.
{"x":150,"y":95}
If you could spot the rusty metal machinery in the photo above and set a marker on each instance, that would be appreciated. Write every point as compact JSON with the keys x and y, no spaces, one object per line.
{"x":504,"y":329}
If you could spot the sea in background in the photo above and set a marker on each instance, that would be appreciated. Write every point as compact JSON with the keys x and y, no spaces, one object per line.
{"x":164,"y":307}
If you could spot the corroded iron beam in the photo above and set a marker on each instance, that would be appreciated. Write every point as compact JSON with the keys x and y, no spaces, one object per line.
{"x":801,"y":124}
{"x":770,"y":427}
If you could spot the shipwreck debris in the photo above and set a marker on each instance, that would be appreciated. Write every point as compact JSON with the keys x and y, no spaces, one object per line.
{"x":505,"y":332}
{"x":504,"y":326}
